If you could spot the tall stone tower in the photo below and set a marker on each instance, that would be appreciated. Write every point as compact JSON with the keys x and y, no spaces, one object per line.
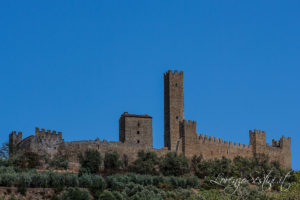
{"x":173,"y":107}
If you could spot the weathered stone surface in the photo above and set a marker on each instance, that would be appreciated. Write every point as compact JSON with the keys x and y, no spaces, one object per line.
{"x":136,"y":130}
{"x":173,"y":107}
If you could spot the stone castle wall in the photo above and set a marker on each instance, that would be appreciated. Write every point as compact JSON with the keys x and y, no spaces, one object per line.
{"x":135,"y":134}
{"x":52,"y":144}
{"x":212,"y":147}
{"x":42,"y":142}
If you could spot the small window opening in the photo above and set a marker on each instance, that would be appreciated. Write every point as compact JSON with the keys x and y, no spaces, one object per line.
{"x":176,"y":84}
{"x":138,"y":132}
{"x":138,"y":141}
{"x":176,"y":117}
{"x":139,"y":124}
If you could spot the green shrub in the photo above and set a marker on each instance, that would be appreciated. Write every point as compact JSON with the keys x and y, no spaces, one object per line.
{"x":174,"y":164}
{"x":31,"y":160}
{"x":85,"y":180}
{"x":91,"y":159}
{"x":75,"y":194}
{"x":60,"y":162}
{"x":71,"y":180}
{"x":108,"y":195}
{"x":57,"y":180}
{"x":112,"y":161}
{"x":125,"y":161}
{"x":119,"y":182}
{"x":8,"y":179}
{"x":241,"y":167}
{"x":25,"y":179}
{"x":146,"y":163}
{"x":12,"y":197}
{"x":212,"y":194}
{"x":83,"y":171}
{"x":98,"y":183}
{"x":137,"y":192}
{"x":40,"y":180}
{"x":195,"y":162}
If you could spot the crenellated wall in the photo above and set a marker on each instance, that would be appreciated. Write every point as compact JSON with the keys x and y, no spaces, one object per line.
{"x":52,"y":144}
{"x":42,"y":142}
{"x":190,"y":144}
{"x":212,"y":147}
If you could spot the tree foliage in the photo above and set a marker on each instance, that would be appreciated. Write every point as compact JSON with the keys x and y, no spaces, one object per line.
{"x":4,"y":151}
{"x":174,"y":164}
{"x":146,"y":163}
{"x":59,"y":162}
{"x":75,"y":194}
{"x":90,"y":160}
{"x":112,"y":161}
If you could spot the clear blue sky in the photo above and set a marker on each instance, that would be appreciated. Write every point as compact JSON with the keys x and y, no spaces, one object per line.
{"x":75,"y":66}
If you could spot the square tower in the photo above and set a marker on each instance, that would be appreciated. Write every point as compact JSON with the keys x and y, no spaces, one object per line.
{"x":136,"y":130}
{"x":173,"y":107}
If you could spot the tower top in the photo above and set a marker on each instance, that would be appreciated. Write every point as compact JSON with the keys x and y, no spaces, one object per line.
{"x":175,"y":72}
{"x":126,"y":114}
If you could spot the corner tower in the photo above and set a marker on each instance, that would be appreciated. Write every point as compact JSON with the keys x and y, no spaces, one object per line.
{"x":173,"y":107}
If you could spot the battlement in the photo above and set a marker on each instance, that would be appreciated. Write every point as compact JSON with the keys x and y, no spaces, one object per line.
{"x":189,"y":123}
{"x":47,"y":133}
{"x":14,"y":133}
{"x":284,"y":142}
{"x":288,"y":139}
{"x":175,"y":72}
{"x":257,"y":132}
{"x":219,"y":141}
{"x":275,"y":143}
{"x":126,"y":114}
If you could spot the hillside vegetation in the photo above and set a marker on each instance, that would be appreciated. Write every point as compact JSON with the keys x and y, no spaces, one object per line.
{"x":171,"y":177}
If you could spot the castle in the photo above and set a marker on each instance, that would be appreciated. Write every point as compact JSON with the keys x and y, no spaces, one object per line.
{"x":135,"y":134}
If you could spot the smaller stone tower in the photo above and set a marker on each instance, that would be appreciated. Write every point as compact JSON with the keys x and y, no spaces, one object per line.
{"x":136,"y":130}
{"x":286,"y":156}
{"x":189,"y":137}
{"x":14,"y":139}
{"x":258,"y":141}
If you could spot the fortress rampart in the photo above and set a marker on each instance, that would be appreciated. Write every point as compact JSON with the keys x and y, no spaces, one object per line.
{"x":135,"y":134}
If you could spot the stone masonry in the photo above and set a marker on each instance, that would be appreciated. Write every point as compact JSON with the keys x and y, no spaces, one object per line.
{"x":135,"y":134}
